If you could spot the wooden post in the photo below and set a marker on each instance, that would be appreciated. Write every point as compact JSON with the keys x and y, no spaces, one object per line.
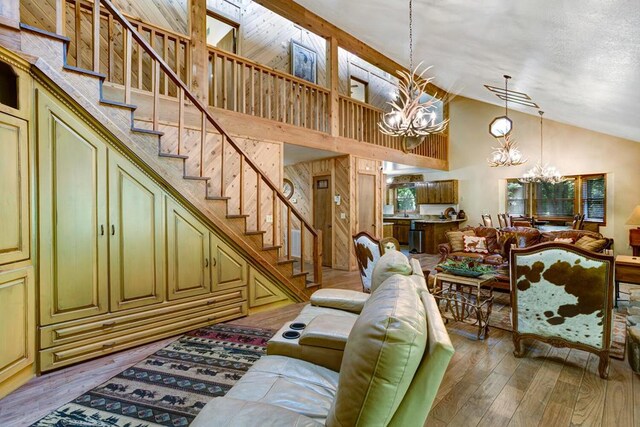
{"x":199,"y":55}
{"x":10,"y":24}
{"x":333,"y":81}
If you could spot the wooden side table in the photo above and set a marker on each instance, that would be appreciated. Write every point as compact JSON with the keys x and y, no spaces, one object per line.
{"x":465,"y":299}
{"x":627,"y":271}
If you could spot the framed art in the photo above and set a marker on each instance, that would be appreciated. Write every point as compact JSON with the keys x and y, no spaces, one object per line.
{"x":304,"y":62}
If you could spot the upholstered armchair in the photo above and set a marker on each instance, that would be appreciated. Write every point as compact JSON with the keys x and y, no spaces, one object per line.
{"x":563,"y":295}
{"x":368,"y":251}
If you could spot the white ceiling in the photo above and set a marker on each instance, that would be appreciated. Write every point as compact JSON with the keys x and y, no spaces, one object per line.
{"x":579,"y":60}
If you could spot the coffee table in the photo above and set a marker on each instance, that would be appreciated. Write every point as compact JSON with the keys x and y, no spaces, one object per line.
{"x":627,"y":271}
{"x":465,"y":299}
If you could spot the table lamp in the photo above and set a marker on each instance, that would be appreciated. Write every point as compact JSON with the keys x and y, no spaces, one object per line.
{"x":634,"y":233}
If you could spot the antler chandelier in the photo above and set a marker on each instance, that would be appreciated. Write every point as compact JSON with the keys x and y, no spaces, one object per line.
{"x":507,"y":154}
{"x":542,"y":172}
{"x":409,"y":118}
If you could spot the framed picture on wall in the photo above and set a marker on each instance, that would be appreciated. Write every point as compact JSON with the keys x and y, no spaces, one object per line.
{"x":304,"y":62}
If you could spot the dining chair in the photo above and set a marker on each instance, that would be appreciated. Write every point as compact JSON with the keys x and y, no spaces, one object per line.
{"x":486,"y":220}
{"x":502,"y":220}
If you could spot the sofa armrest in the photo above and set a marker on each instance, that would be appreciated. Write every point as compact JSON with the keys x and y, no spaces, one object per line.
{"x":445,"y":250}
{"x":340,"y":299}
{"x":230,"y":412}
{"x":327,"y":331}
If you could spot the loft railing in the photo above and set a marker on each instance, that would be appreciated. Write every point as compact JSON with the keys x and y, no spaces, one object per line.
{"x":244,"y":86}
{"x":236,"y":174}
{"x":359,"y":121}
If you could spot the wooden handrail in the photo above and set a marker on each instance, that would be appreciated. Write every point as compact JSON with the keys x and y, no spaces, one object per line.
{"x":226,"y":137}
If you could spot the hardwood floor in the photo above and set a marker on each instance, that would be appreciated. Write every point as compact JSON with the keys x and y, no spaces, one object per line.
{"x":485,"y":384}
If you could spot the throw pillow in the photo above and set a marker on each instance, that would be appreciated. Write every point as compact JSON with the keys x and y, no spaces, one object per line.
{"x":475,"y":244}
{"x":455,"y":239}
{"x":591,"y":244}
{"x":563,"y":239}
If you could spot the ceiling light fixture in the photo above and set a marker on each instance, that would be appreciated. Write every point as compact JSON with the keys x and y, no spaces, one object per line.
{"x":507,"y":154}
{"x":501,"y":126}
{"x":542,"y":172}
{"x":409,"y":118}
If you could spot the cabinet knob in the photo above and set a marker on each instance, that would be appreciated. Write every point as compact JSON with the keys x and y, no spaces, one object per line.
{"x":113,"y":230}
{"x":102,"y":229}
{"x":206,"y":262}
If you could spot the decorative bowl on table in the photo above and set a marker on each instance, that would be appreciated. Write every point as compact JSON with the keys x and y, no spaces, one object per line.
{"x":465,"y":267}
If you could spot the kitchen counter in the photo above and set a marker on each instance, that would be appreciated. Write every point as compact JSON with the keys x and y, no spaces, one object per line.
{"x":427,"y":221}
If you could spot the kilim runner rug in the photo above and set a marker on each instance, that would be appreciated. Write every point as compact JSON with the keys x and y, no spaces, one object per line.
{"x":171,"y":386}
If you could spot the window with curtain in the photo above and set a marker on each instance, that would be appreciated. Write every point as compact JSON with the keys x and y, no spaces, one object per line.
{"x":555,"y":201}
{"x":517,"y":198}
{"x":592,"y":198}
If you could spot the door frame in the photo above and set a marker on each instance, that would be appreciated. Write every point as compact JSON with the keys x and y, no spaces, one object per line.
{"x":330,"y":173}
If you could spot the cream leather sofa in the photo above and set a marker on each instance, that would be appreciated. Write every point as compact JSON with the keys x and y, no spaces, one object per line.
{"x":333,"y":312}
{"x":394,"y":359}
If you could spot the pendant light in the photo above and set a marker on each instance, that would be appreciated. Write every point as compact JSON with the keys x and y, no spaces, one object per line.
{"x":542,"y":172}
{"x":501,"y":126}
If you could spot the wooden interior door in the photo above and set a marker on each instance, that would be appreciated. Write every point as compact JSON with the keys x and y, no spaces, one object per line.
{"x":73,"y":217}
{"x":136,"y":237}
{"x":367,"y":203}
{"x":322,"y":218}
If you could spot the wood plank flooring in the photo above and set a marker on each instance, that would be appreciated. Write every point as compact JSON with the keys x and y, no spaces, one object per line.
{"x":485,"y":385}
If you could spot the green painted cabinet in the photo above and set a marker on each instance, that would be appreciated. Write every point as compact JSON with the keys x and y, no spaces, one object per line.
{"x":228,"y":268}
{"x":73,"y":217}
{"x":14,"y":190}
{"x":136,"y":236}
{"x":187,"y":253}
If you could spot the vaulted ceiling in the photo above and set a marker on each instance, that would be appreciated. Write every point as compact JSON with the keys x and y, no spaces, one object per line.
{"x":579,"y":60}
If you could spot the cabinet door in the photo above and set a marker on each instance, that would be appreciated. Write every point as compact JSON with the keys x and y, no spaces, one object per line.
{"x":432,"y":192}
{"x":187,"y":253}
{"x":228,"y":268}
{"x":73,"y":217}
{"x":14,"y":190}
{"x":262,"y":291}
{"x":17,"y":321}
{"x":421,"y":193}
{"x":136,"y":237}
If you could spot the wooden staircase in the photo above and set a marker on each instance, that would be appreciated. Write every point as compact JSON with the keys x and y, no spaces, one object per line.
{"x":195,"y":156}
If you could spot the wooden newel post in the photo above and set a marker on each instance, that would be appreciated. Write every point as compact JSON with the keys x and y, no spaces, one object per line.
{"x":333,"y":81}
{"x":317,"y":259}
{"x":199,"y":55}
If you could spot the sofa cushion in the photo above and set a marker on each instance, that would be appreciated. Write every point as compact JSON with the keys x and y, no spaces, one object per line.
{"x":392,"y":262}
{"x":327,"y":331}
{"x":310,"y":311}
{"x":591,"y":244}
{"x":563,"y":239}
{"x":525,"y":236}
{"x":292,"y":384}
{"x":456,"y":239}
{"x":491,"y":235}
{"x":382,"y":354}
{"x":474,"y":244}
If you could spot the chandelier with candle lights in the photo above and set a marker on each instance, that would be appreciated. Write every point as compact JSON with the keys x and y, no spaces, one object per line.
{"x":542,"y":172}
{"x":507,"y":154}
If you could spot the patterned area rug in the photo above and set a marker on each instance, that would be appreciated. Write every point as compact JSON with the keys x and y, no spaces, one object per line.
{"x":501,"y":318}
{"x":171,"y":386}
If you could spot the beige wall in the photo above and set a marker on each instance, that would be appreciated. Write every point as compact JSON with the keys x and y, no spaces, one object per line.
{"x":572,"y":150}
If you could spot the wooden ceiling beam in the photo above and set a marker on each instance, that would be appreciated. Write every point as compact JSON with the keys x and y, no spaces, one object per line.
{"x":294,"y":12}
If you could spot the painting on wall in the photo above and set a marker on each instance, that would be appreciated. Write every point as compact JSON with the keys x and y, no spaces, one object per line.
{"x":304,"y":62}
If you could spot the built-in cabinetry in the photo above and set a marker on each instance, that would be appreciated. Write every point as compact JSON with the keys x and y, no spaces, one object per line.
{"x":434,"y":233}
{"x":437,"y":192}
{"x":401,"y":229}
{"x":122,"y":262}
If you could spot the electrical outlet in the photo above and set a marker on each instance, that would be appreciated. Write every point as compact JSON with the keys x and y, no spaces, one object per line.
{"x":269,"y":218}
{"x":343,"y":215}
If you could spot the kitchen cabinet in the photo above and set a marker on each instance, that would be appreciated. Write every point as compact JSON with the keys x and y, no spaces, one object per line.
{"x":437,"y":192}
{"x":400,"y":229}
{"x":435,"y":233}
{"x":387,"y":228}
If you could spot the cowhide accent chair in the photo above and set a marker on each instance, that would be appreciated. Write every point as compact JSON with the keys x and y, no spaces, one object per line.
{"x":368,"y":252}
{"x":563,"y":295}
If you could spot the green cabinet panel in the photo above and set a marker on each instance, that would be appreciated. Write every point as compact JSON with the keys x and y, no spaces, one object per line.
{"x":228,"y":268}
{"x":73,"y":217}
{"x":136,"y":236}
{"x":14,"y":190}
{"x":262,"y":291}
{"x":17,"y":321}
{"x":187,"y":253}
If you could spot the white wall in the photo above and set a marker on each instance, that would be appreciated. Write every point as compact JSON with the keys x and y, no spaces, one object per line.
{"x":572,"y":150}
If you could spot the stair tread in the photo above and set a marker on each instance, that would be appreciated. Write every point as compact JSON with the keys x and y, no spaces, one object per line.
{"x":283,"y":261}
{"x":174,"y":156}
{"x":300,"y":273}
{"x":217,"y":198}
{"x":310,"y":284}
{"x":84,"y":71}
{"x":254,"y":232}
{"x":149,"y":131}
{"x":118,"y":104}
{"x":45,"y":33}
{"x":199,"y":178}
{"x":271,"y":247}
{"x":237,"y":216}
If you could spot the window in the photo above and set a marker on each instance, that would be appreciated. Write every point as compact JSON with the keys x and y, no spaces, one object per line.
{"x":359,"y":89}
{"x":592,"y":198}
{"x":222,"y":33}
{"x":406,"y":199}
{"x":517,"y":198}
{"x":555,"y":201}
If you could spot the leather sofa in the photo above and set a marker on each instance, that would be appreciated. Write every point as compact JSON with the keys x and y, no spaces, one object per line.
{"x":499,"y":243}
{"x":395,"y":356}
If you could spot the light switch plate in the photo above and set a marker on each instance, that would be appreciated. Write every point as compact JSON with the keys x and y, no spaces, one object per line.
{"x":343,"y":215}
{"x":269,"y":218}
